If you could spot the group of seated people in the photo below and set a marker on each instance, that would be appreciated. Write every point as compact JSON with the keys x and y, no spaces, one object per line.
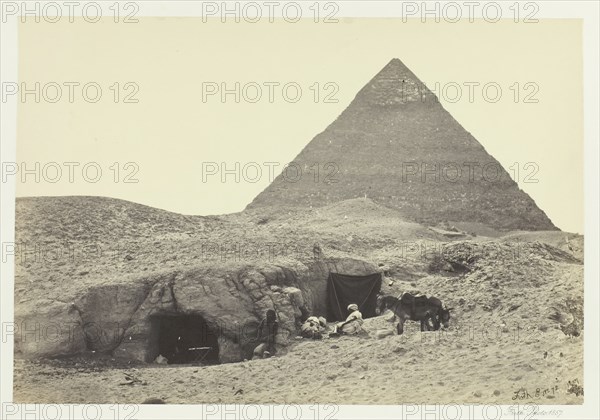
{"x":314,"y":327}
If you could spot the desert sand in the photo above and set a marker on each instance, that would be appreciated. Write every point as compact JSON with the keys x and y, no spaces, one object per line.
{"x":516,"y":333}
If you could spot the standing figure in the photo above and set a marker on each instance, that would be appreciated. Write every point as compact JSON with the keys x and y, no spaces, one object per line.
{"x":267,"y":331}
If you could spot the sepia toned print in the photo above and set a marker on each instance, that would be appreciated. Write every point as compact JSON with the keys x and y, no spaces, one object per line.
{"x":256,"y":219}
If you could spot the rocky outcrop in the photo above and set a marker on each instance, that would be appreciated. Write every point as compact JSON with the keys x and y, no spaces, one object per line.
{"x":47,"y":328}
{"x":231,"y":299}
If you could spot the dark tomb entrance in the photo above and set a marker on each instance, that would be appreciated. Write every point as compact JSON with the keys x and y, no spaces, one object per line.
{"x":184,"y":339}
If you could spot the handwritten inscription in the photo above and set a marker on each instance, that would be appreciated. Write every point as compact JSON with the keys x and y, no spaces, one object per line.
{"x":524,"y":394}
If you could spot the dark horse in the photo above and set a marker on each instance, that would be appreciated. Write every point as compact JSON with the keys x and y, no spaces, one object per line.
{"x":429,"y":310}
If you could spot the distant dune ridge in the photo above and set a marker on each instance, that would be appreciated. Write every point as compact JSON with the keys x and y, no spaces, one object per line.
{"x":397,"y":145}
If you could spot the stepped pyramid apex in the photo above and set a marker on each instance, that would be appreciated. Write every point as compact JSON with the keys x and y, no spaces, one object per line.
{"x":395,"y":84}
{"x":395,"y":64}
{"x":395,"y":70}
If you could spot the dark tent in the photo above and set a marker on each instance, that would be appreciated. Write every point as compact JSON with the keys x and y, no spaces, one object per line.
{"x":342,"y":290}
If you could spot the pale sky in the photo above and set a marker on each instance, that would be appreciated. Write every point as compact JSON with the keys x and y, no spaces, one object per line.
{"x":170,"y":131}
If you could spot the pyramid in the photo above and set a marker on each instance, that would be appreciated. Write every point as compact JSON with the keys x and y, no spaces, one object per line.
{"x":396,"y":145}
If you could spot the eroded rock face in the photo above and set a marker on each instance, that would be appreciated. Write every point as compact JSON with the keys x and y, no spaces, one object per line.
{"x":106,"y":312}
{"x":231,"y":299}
{"x":48,"y":328}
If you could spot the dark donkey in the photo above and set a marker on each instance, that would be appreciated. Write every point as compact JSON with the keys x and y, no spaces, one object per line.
{"x":428,"y":310}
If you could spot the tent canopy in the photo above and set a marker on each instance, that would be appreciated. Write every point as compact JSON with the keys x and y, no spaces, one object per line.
{"x":342,"y":290}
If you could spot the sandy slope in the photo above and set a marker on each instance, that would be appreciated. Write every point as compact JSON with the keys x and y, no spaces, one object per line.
{"x":478,"y":365}
{"x":517,"y":304}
